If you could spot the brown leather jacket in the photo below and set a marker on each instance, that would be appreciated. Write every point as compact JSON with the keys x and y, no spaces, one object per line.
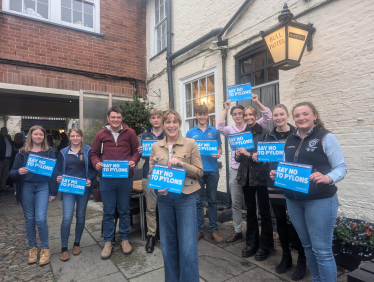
{"x":186,"y":150}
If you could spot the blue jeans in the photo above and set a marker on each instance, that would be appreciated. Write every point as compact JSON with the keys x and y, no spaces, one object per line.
{"x":68,"y":204}
{"x":34,"y":202}
{"x":314,"y":221}
{"x":116,"y":193}
{"x":210,"y":180}
{"x":178,"y":232}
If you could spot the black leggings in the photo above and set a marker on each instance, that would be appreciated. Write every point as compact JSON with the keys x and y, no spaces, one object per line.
{"x":281,"y":216}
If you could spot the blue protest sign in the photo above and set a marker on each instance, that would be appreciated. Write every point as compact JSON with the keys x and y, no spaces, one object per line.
{"x":115,"y":169}
{"x":163,"y":177}
{"x":270,"y":151}
{"x":72,"y":184}
{"x":241,"y":140}
{"x":147,"y":147}
{"x":293,"y":176}
{"x":40,"y":165}
{"x":207,"y":147}
{"x":240,"y":92}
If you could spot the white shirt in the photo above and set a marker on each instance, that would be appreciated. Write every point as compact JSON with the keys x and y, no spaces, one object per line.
{"x":115,"y":134}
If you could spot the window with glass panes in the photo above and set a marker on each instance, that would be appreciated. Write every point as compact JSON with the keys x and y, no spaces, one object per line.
{"x":200,"y":92}
{"x":258,"y":69}
{"x":35,"y":8}
{"x":160,"y":25}
{"x":78,"y":12}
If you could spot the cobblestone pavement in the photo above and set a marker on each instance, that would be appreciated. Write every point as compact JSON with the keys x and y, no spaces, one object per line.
{"x":13,"y":246}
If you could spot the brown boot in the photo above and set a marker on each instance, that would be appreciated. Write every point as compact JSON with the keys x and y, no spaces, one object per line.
{"x":64,"y":256}
{"x":33,"y":255}
{"x":217,"y":237}
{"x":45,"y":257}
{"x":126,"y":247}
{"x":107,"y":250}
{"x":77,"y":250}
{"x":200,"y":236}
{"x":234,"y":237}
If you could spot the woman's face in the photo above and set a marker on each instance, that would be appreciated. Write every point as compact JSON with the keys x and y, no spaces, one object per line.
{"x":75,"y":138}
{"x":249,"y":118}
{"x":171,"y":126}
{"x":280,"y":117}
{"x":304,"y":117}
{"x":37,"y":137}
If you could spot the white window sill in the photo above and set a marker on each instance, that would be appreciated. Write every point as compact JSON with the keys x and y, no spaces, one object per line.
{"x":51,"y":23}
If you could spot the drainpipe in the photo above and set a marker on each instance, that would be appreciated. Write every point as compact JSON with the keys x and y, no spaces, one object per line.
{"x":222,"y":43}
{"x":171,"y":57}
{"x":168,"y":54}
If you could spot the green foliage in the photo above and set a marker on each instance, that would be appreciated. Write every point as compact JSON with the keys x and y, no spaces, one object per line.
{"x":90,"y":135}
{"x":136,"y":114}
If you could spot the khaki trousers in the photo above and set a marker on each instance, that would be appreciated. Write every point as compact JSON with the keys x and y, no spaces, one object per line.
{"x":151,"y":200}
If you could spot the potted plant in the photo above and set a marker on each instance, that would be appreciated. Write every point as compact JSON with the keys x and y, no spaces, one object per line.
{"x":353,"y":242}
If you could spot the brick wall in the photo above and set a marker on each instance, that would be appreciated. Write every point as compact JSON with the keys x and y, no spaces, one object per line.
{"x":120,"y":51}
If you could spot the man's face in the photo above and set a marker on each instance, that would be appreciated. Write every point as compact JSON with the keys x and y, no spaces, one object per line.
{"x":4,"y":132}
{"x":237,"y":115}
{"x":156,"y":121}
{"x":202,"y":118}
{"x":115,"y":120}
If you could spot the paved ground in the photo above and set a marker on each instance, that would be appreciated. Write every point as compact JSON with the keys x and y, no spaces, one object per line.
{"x":218,"y":262}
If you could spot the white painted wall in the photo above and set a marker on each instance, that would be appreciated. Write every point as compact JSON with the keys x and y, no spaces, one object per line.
{"x":337,"y":75}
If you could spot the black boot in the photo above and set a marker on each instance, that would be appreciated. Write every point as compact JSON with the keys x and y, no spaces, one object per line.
{"x":285,"y":264}
{"x":300,"y":270}
{"x":149,"y":247}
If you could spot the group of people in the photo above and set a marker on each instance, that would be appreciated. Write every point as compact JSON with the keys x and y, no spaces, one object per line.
{"x":181,"y":216}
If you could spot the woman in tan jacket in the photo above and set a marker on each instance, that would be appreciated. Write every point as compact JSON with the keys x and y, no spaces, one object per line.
{"x":178,"y":218}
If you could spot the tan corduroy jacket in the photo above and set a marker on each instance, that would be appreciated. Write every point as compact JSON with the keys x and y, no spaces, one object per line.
{"x":186,"y":150}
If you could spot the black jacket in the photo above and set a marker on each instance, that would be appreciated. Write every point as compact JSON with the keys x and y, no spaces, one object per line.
{"x":3,"y":146}
{"x":149,"y":136}
{"x":20,"y":179}
{"x":255,"y":172}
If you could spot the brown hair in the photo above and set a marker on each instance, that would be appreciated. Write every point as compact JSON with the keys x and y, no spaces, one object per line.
{"x":201,"y":110}
{"x":236,"y":107}
{"x":253,"y":109}
{"x":172,"y":112}
{"x":318,"y":121}
{"x":280,"y":106}
{"x":80,"y":133}
{"x":27,"y":147}
{"x":155,"y":112}
{"x":115,"y":110}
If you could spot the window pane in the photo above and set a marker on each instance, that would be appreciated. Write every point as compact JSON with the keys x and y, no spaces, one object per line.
{"x":157,"y":16}
{"x":88,"y":8}
{"x":156,"y":4}
{"x":66,"y":3}
{"x":162,"y":12}
{"x":211,"y":103}
{"x":195,"y":89}
{"x":77,"y":17}
{"x":202,"y":87}
{"x":189,"y":109}
{"x":211,"y":84}
{"x":43,"y":10}
{"x":259,"y":77}
{"x":270,"y":59}
{"x":43,"y":1}
{"x":192,"y":123}
{"x":259,"y":61}
{"x":158,"y":46}
{"x":163,"y":43}
{"x":16,"y":5}
{"x":188,"y":92}
{"x":66,"y":15}
{"x":246,"y":65}
{"x":163,"y":28}
{"x":195,"y":104}
{"x":212,"y":121}
{"x":246,"y":78}
{"x":88,"y":20}
{"x":77,"y":5}
{"x":29,"y":4}
{"x":272,"y":74}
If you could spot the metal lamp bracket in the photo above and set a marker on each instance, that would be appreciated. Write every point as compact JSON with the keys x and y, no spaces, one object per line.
{"x":309,"y":43}
{"x":157,"y":94}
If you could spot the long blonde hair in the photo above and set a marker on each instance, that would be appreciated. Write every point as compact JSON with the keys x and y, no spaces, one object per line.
{"x":27,"y":147}
{"x":80,"y":133}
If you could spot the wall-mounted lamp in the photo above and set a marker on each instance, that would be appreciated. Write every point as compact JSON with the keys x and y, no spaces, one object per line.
{"x":287,"y":40}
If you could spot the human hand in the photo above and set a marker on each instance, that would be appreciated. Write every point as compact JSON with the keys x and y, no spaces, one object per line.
{"x":99,"y":166}
{"x":244,"y":152}
{"x":140,"y":149}
{"x":255,"y":157}
{"x":175,"y":162}
{"x":131,"y":164}
{"x":163,"y":192}
{"x":227,"y":104}
{"x":272,"y":174}
{"x":23,"y":170}
{"x":318,"y":177}
{"x":58,"y":179}
{"x":88,"y":183}
{"x":51,"y":199}
{"x":255,"y":98}
{"x":216,"y":156}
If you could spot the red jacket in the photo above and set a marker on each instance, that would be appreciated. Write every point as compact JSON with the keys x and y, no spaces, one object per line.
{"x":126,"y":147}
